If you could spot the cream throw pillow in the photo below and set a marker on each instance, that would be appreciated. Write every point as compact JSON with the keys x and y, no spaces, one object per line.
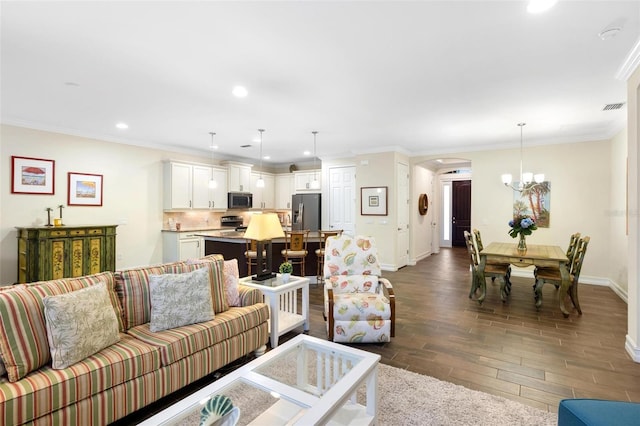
{"x":231,"y":281}
{"x":180,"y":299}
{"x":79,"y":324}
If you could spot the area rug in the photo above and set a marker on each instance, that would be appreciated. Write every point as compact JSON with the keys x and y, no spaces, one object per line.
{"x":408,"y":398}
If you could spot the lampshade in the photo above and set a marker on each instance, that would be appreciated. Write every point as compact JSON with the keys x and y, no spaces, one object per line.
{"x":264,"y":227}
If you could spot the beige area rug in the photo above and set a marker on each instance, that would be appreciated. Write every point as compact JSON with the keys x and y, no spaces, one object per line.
{"x":408,"y":398}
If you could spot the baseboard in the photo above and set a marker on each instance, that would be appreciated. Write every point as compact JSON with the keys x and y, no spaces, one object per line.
{"x":632,"y":349}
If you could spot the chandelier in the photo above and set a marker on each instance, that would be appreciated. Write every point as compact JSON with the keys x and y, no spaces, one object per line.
{"x":260,"y":181}
{"x":525,"y":178}
{"x":212,"y":181}
{"x":315,"y":184}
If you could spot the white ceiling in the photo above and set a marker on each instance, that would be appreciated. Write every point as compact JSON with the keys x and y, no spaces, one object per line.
{"x":422,"y":77}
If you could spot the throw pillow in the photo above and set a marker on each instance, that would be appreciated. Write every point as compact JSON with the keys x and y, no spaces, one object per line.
{"x":215,"y":264}
{"x":231,"y":280}
{"x":180,"y":299}
{"x":79,"y":324}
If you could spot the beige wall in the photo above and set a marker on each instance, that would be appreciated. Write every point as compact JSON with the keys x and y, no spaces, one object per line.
{"x":132,"y":198}
{"x":581,"y":181}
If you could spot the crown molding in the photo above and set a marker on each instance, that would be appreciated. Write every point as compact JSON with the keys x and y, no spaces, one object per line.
{"x":630,"y":64}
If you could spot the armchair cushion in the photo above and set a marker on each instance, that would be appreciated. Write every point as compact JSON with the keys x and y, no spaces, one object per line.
{"x":353,"y":283}
{"x":347,"y":255}
{"x":361,"y":317}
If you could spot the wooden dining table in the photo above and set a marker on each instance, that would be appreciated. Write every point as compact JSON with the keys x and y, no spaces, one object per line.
{"x":539,"y":255}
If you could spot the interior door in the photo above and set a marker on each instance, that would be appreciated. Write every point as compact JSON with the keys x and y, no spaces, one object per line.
{"x":460,"y":211}
{"x":342,"y":199}
{"x":403,"y":215}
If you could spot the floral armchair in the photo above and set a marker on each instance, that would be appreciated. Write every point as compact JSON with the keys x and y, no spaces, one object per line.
{"x":359,"y":304}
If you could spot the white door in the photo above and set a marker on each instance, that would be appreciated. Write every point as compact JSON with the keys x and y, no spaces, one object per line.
{"x":403,"y":215}
{"x":342,"y":199}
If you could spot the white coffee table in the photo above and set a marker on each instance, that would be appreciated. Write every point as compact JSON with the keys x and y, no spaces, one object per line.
{"x":282,"y":299}
{"x":305,"y":381}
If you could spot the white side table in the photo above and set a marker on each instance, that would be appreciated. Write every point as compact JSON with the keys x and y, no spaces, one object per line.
{"x":282,"y":299}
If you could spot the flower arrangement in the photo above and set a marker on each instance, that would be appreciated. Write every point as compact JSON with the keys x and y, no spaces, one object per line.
{"x":522,"y":225}
{"x":285,"y":268}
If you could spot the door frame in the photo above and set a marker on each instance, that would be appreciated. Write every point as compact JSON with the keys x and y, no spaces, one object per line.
{"x":445,"y":178}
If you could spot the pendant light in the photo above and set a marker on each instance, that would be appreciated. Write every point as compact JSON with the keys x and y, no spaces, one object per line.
{"x":525,"y":178}
{"x":212,"y":182}
{"x":260,"y":181}
{"x":315,"y":184}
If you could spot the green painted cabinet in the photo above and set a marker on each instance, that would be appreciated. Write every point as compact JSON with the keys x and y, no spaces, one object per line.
{"x":47,"y":253}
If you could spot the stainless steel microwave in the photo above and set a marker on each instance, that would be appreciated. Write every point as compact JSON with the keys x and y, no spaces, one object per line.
{"x":239,"y":200}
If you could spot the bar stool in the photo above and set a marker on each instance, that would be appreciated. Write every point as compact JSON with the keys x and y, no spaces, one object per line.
{"x":295,"y":251}
{"x":320,"y":251}
{"x":251,"y":254}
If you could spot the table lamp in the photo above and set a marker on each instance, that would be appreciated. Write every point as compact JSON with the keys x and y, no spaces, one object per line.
{"x":263,"y":228}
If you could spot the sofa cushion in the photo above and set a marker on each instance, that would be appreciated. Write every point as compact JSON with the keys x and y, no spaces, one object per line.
{"x":23,"y":334}
{"x":79,"y":324}
{"x":180,"y":299}
{"x":47,"y":390}
{"x":215,"y":264}
{"x":132,"y":286}
{"x":181,"y":342}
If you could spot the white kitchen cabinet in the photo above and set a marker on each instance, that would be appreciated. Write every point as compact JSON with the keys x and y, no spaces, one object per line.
{"x":284,"y":191}
{"x":187,"y":186}
{"x":302,"y":180}
{"x":239,"y":177}
{"x":180,"y":246}
{"x":263,"y":198}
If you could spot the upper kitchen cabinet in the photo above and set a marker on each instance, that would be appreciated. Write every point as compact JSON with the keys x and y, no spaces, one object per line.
{"x":186,"y":186}
{"x":284,"y":191}
{"x":263,"y":198}
{"x":239,"y":177}
{"x":303,"y":179}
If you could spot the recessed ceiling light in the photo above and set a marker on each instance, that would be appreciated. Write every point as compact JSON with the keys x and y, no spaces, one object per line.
{"x":608,"y":33}
{"x":539,"y":6}
{"x":240,"y":91}
{"x":267,"y":157}
{"x":307,"y":153}
{"x":122,"y":126}
{"x":213,"y":147}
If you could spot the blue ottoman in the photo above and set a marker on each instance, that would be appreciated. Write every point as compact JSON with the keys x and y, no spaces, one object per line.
{"x":583,"y":412}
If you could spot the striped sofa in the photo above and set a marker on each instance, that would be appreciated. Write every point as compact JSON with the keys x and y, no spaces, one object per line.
{"x":140,"y":368}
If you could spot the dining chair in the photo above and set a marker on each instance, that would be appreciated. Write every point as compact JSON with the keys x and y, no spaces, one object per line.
{"x":571,"y":251}
{"x":490,"y":270}
{"x":295,"y":248}
{"x":554,"y":277}
{"x":480,"y":247}
{"x":320,"y":251}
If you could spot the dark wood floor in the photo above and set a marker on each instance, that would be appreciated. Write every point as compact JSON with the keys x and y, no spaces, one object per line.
{"x":507,"y":349}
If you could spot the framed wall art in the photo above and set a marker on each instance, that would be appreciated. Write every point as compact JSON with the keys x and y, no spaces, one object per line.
{"x":373,"y":201}
{"x":84,"y":189}
{"x":32,"y":176}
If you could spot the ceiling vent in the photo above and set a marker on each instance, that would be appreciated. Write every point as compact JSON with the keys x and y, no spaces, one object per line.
{"x":245,"y":146}
{"x":611,"y":107}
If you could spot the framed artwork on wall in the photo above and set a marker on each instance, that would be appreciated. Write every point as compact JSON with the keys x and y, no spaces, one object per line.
{"x":84,"y":189}
{"x":373,"y":201}
{"x":32,"y":176}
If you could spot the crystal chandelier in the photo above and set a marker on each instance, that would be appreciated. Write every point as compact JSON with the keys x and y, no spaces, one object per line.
{"x":525,"y":178}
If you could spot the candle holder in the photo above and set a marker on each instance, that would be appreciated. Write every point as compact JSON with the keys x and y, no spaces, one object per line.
{"x":60,"y":207}
{"x":49,"y":210}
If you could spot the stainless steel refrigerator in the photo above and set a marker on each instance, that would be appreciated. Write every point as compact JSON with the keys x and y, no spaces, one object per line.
{"x":305,"y":212}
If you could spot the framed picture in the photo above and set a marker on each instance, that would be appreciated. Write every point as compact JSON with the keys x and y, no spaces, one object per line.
{"x":84,"y":189}
{"x":32,"y":176}
{"x":373,"y":201}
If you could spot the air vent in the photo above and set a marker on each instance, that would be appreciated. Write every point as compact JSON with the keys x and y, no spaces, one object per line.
{"x":245,"y":146}
{"x":611,"y":107}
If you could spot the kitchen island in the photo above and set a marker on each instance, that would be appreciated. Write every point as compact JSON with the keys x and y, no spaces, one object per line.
{"x":232,"y":245}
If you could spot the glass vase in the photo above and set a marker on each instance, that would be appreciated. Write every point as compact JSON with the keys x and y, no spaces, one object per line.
{"x":522,"y":244}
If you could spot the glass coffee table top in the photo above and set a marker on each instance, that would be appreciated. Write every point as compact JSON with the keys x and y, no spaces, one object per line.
{"x":304,"y":381}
